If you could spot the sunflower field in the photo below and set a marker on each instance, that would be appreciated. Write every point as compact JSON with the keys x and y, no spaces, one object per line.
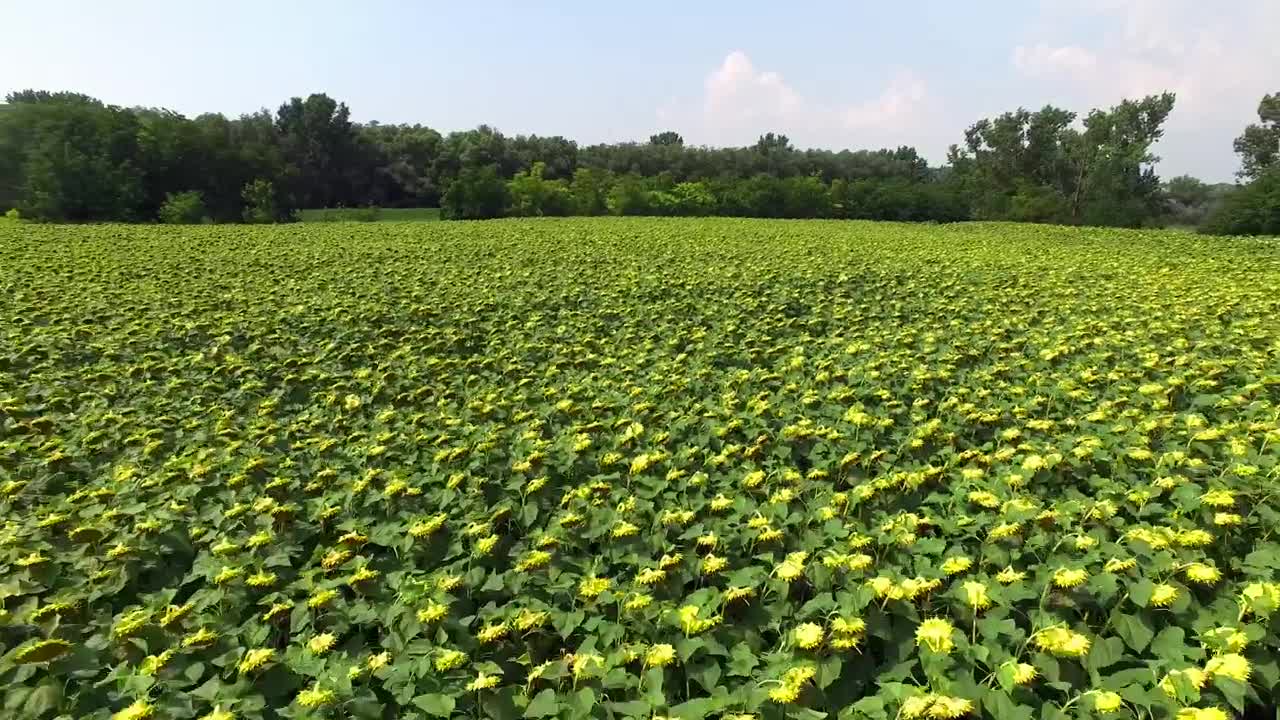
{"x":638,"y":468}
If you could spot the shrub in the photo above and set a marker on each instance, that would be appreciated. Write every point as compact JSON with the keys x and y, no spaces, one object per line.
{"x":628,"y":196}
{"x":184,"y":208}
{"x":476,"y":194}
{"x":357,"y":214}
{"x":531,"y":195}
{"x":13,"y":214}
{"x":1253,"y":209}
{"x":259,"y":201}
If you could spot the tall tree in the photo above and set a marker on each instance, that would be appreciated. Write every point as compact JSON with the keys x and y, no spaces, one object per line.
{"x":74,"y":158}
{"x":1115,"y":181}
{"x":1038,"y":167}
{"x":1259,"y":145}
{"x":668,"y":137}
{"x":318,"y":143}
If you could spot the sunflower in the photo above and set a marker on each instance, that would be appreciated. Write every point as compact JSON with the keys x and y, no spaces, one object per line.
{"x":712,"y":564}
{"x":1067,"y":578}
{"x":945,"y":707}
{"x":1163,"y":595}
{"x":432,"y":612}
{"x":1062,"y":641}
{"x":483,"y":681}
{"x":638,"y":601}
{"x":956,"y":564}
{"x":808,"y":636}
{"x":449,"y":659}
{"x":975,"y":594}
{"x":42,"y":651}
{"x":321,"y":644}
{"x":255,"y":658}
{"x":591,"y":587}
{"x":138,"y":710}
{"x":1202,"y":573}
{"x":660,"y":655}
{"x":1008,"y":576}
{"x":1105,"y":701}
{"x":1116,"y":565}
{"x":1230,"y":665}
{"x":1023,"y":673}
{"x":935,"y":633}
{"x":1209,"y":713}
{"x":315,"y":696}
{"x":1218,"y":498}
{"x":792,"y":567}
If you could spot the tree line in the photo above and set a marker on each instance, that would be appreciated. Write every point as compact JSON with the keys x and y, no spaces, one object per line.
{"x":70,"y":157}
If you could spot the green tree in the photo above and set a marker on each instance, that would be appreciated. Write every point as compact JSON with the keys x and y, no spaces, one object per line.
{"x":667,"y":138}
{"x":1188,"y":201}
{"x":1115,"y":183}
{"x":406,"y":155}
{"x":477,"y":193}
{"x":1039,"y":167}
{"x":1252,"y":209}
{"x":629,"y":196}
{"x":260,"y":204}
{"x":1259,"y":144}
{"x":184,"y":208}
{"x":1019,"y":153}
{"x":805,"y":197}
{"x":686,"y":198}
{"x":75,"y":159}
{"x":318,"y":142}
{"x":590,"y":191}
{"x":531,"y":195}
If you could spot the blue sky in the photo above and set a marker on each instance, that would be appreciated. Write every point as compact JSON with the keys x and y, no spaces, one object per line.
{"x":828,"y":74}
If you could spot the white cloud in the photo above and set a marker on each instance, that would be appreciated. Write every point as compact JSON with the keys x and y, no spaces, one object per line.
{"x":899,"y":102}
{"x":741,"y":101}
{"x":1041,"y":58}
{"x":1219,"y":58}
{"x":1105,"y":77}
{"x":736,"y":89}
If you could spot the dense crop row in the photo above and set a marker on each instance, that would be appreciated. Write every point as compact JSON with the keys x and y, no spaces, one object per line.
{"x":640,"y":468}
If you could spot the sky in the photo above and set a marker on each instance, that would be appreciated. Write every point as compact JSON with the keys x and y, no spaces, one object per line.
{"x":827,"y":74}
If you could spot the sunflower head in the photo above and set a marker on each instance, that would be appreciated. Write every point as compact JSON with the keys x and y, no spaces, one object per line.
{"x":935,"y":633}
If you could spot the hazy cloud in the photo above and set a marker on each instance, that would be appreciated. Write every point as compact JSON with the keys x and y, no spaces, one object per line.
{"x":737,"y":91}
{"x":1218,"y":58}
{"x":741,"y":101}
{"x":896,"y":106}
{"x":1041,"y":59}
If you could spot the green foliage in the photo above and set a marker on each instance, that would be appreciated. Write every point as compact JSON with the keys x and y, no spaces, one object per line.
{"x":668,"y":138}
{"x":341,"y":214}
{"x":530,"y":195}
{"x":320,"y":148}
{"x":382,"y":214}
{"x":1038,"y":203}
{"x":939,"y":201}
{"x":626,"y":468}
{"x":1259,"y":144}
{"x":686,"y":198}
{"x":805,"y":197}
{"x":590,"y":190}
{"x":184,"y":208}
{"x":628,"y":196}
{"x":1189,"y":201}
{"x":477,"y":194}
{"x":67,"y":158}
{"x":13,"y":214}
{"x":1039,"y":167}
{"x":1252,"y":209}
{"x":260,"y":202}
